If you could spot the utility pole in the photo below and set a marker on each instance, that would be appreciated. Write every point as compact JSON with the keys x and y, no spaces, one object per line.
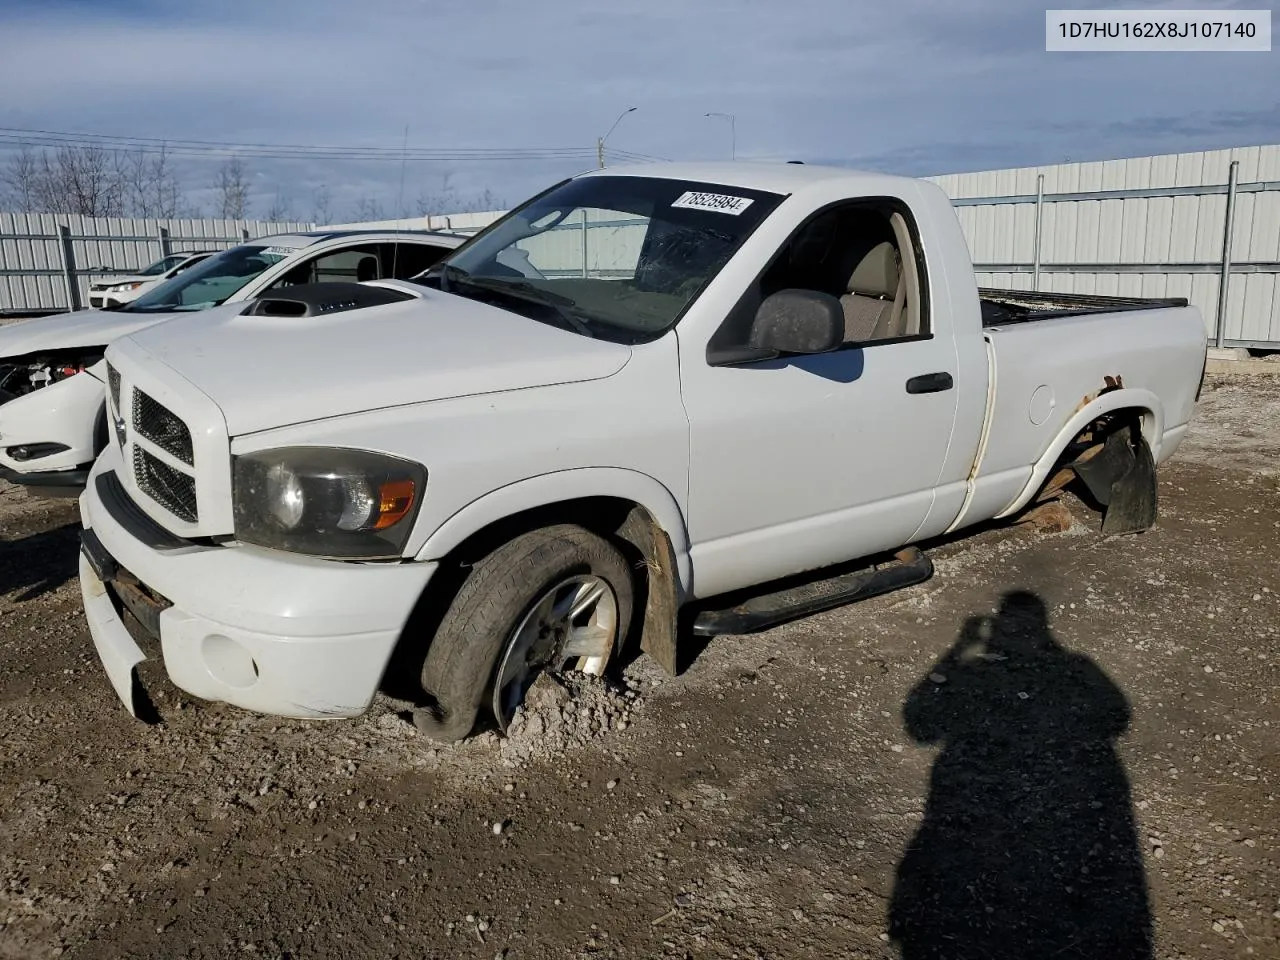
{"x":600,"y":140}
{"x":733,"y":132}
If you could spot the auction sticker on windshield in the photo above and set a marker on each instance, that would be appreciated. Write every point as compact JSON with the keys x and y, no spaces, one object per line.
{"x":719,"y":202}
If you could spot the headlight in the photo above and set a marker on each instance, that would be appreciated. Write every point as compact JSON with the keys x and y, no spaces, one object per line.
{"x":120,"y":287}
{"x":326,"y":501}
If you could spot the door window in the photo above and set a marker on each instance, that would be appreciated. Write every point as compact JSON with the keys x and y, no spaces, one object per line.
{"x":410,"y":259}
{"x":863,"y":255}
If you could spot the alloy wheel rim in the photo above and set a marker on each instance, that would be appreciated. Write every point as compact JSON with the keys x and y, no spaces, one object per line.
{"x":572,"y":625}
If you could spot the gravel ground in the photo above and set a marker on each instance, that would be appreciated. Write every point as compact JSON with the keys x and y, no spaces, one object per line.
{"x":1062,"y":746}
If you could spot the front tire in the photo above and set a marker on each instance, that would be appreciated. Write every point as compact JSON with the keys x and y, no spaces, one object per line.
{"x":556,"y":598}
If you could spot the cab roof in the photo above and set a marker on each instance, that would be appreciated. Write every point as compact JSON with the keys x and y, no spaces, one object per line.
{"x":771,"y":176}
{"x":306,"y":238}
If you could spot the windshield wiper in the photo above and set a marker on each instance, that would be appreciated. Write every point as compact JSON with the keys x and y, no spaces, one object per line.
{"x":522,"y":288}
{"x":566,"y":307}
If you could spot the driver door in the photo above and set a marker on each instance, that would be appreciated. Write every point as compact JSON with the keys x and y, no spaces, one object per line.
{"x":801,"y":462}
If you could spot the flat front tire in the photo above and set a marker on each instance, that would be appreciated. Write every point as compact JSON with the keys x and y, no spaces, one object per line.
{"x":559,"y":598}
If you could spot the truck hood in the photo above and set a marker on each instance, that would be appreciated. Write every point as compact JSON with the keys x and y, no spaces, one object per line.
{"x":97,"y":328}
{"x":269,"y":372}
{"x":84,"y":328}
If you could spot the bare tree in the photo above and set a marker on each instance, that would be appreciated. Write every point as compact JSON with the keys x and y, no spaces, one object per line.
{"x":21,"y":181}
{"x":484,"y":202}
{"x":439,"y":204}
{"x":78,"y":180}
{"x":433,"y":204}
{"x":232,"y":186}
{"x":444,"y":200}
{"x":149,"y":184}
{"x":368,"y":208}
{"x":94,"y":182}
{"x":281,"y":208}
{"x":321,"y":203}
{"x":448,"y":200}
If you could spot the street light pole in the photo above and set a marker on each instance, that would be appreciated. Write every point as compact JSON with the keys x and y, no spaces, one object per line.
{"x":600,"y":140}
{"x":733,"y":132}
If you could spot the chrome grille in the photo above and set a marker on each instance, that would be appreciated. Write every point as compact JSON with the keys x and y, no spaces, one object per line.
{"x":155,"y":422}
{"x":172,"y":489}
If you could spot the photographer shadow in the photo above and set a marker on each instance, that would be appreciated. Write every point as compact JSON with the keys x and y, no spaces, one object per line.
{"x":1028,"y":847}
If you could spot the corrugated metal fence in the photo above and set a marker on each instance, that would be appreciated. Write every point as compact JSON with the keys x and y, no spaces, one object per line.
{"x":48,"y":260}
{"x":1180,"y":225}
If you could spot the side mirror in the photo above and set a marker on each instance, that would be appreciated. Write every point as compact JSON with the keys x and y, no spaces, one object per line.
{"x":796,"y":321}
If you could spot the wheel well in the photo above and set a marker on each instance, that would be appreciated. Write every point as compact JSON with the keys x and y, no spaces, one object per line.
{"x":624,"y":523}
{"x":1089,"y":438}
{"x":1097,"y":430}
{"x":605,"y":516}
{"x":627,"y":525}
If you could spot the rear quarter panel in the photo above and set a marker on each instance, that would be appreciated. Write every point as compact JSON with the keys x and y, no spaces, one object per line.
{"x":1048,"y":379}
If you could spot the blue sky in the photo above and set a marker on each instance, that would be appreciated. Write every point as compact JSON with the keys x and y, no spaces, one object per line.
{"x":914,"y":86}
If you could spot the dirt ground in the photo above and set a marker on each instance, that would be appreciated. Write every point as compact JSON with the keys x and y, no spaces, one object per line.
{"x":1062,"y":746}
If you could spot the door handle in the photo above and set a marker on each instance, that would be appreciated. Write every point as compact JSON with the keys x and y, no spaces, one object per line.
{"x":930,"y":383}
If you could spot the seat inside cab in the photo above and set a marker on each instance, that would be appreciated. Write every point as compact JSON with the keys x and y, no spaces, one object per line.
{"x":864,"y":257}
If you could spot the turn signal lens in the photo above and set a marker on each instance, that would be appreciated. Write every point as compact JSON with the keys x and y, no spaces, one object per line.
{"x":395,"y":500}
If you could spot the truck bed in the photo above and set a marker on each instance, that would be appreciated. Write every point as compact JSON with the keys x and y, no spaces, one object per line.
{"x":1003,"y":307}
{"x":1047,"y":376}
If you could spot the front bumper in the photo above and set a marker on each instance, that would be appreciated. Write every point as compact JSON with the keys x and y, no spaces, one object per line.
{"x":263,"y":630}
{"x":106,"y":298}
{"x":68,"y":413}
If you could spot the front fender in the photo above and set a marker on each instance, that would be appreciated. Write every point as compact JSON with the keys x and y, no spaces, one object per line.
{"x":558,"y":487}
{"x":66,"y":412}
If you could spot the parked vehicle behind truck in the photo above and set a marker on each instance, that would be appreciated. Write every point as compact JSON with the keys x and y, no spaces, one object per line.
{"x":624,"y":411}
{"x":52,"y":410}
{"x":108,"y":293}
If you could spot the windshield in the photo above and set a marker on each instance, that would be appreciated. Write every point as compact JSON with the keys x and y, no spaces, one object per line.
{"x":612,"y":257}
{"x":209,"y":282}
{"x":161,"y":265}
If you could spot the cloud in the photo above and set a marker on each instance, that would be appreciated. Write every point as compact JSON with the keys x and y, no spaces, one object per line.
{"x":1201,"y":124}
{"x":922,"y":87}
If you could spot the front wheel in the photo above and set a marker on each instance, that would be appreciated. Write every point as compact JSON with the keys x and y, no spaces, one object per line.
{"x":555,"y":599}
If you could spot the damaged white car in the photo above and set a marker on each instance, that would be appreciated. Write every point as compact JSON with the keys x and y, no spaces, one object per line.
{"x":52,"y":414}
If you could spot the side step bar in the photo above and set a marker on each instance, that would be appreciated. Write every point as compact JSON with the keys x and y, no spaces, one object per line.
{"x":767,"y":610}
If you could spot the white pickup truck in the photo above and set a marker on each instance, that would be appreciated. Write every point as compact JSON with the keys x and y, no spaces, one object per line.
{"x":52,"y":411}
{"x":617,"y":416}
